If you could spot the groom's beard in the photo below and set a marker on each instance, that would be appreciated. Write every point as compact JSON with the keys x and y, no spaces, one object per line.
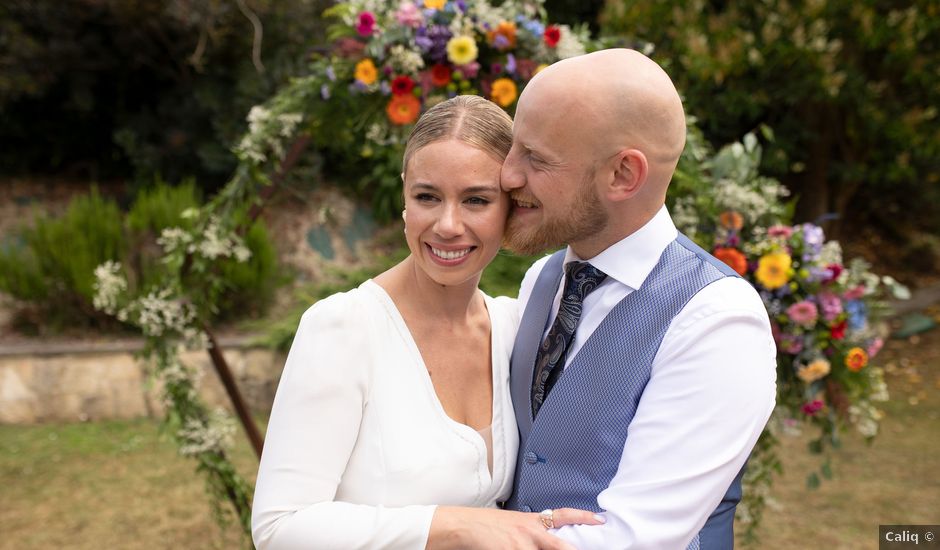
{"x":585,"y":218}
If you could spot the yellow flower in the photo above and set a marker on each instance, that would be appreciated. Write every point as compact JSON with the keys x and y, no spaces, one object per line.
{"x":814,"y":371}
{"x":539,"y":68}
{"x":773,"y":270}
{"x":366,"y":72}
{"x":461,"y":50}
{"x":504,"y":92}
{"x":434,"y":4}
{"x":856,"y":359}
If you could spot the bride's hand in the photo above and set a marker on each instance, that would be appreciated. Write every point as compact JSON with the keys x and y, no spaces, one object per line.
{"x":455,"y":527}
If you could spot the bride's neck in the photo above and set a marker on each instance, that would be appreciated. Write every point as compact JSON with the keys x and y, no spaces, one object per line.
{"x":413,"y":290}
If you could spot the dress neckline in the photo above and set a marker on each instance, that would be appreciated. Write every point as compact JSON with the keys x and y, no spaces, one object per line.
{"x":464,"y":430}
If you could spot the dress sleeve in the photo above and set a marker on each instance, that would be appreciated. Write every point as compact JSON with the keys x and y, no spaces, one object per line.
{"x":314,"y":425}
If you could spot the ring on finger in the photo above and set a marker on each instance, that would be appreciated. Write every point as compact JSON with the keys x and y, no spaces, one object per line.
{"x":547,"y":517}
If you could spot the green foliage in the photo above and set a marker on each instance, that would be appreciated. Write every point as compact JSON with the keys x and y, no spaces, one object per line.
{"x":504,"y":274}
{"x":49,"y":266}
{"x":115,"y":88}
{"x":54,"y":267}
{"x":161,"y":205}
{"x":849,"y":87}
{"x":252,"y":283}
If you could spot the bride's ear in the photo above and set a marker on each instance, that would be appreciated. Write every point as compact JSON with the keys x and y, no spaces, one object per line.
{"x":630,"y":172}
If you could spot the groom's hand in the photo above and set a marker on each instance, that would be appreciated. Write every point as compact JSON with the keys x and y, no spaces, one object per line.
{"x":460,"y":528}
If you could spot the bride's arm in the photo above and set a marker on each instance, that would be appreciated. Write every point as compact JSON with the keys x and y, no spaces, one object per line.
{"x":313,"y":428}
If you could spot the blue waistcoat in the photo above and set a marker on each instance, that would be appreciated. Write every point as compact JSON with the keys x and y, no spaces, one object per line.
{"x":571,"y":452}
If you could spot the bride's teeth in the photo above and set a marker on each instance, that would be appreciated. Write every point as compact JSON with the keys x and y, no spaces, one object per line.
{"x":450,"y":255}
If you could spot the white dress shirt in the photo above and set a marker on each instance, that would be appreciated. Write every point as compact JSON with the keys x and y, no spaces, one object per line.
{"x":712,"y":388}
{"x":359,"y":449}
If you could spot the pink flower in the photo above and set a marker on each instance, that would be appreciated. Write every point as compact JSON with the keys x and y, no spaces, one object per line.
{"x":784,"y":231}
{"x":874,"y":347}
{"x":790,"y":343}
{"x":365,"y":25}
{"x":812,"y":407}
{"x":409,"y":15}
{"x":854,"y":293}
{"x":831,"y":305}
{"x":803,"y":313}
{"x":470,"y":70}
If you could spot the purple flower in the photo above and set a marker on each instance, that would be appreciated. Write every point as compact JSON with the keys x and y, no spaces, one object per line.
{"x":433,"y":41}
{"x":790,"y":343}
{"x":500,"y":42}
{"x":813,"y":239}
{"x":511,"y":64}
{"x":330,"y":73}
{"x":325,"y":92}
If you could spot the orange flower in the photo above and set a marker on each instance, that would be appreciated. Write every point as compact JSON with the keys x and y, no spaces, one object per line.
{"x":504,"y":92}
{"x":503,"y":37}
{"x":403,"y":109}
{"x":731,"y":220}
{"x":366,"y":72}
{"x":856,"y":359}
{"x":733,"y":257}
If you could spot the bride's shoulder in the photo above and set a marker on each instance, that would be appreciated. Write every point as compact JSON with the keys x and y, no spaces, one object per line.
{"x":343,"y":308}
{"x":503,"y":309}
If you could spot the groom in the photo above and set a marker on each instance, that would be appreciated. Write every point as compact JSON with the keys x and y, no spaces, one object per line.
{"x":644,"y":369}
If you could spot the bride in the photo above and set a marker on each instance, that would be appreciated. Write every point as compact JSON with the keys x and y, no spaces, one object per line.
{"x":392,"y":426}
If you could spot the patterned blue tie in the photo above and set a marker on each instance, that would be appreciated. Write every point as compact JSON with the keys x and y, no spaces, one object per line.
{"x":580,"y":279}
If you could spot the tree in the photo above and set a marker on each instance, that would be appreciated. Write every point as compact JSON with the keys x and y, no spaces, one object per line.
{"x":108,"y":88}
{"x":850,"y":89}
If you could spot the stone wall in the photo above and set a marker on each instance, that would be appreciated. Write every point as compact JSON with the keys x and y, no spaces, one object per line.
{"x":79,"y":382}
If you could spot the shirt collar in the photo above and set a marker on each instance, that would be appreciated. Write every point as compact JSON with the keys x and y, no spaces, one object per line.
{"x":631,"y":259}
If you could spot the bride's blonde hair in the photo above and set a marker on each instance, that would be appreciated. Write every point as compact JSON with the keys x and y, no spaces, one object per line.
{"x":468,"y":118}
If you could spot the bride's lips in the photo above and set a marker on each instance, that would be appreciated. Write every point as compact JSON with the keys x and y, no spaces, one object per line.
{"x":449,"y":255}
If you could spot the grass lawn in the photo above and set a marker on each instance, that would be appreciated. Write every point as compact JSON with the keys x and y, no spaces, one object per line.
{"x":122,"y":484}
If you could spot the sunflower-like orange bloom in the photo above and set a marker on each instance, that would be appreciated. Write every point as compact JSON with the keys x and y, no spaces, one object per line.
{"x":504,"y":92}
{"x":730,"y":219}
{"x":856,"y":359}
{"x":366,"y":72}
{"x":403,"y":109}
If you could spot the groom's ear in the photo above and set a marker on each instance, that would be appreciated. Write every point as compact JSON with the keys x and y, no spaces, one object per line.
{"x":630,"y":170}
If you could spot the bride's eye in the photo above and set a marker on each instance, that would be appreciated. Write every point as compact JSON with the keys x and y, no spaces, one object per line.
{"x":425,"y":197}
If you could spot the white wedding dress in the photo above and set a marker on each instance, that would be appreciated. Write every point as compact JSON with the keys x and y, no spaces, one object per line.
{"x":359,"y":449}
